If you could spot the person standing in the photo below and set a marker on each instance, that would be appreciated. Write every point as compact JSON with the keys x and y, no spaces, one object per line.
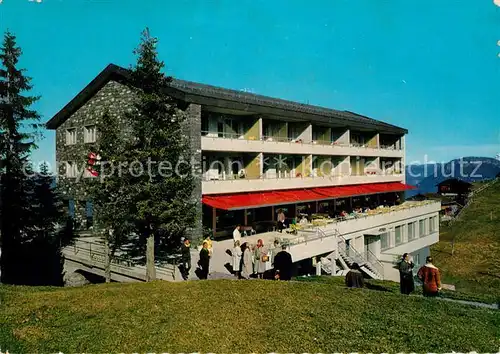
{"x":208,"y":240}
{"x":255,"y":259}
{"x":237,"y":253}
{"x":262,"y":260}
{"x":281,"y":220}
{"x":185,"y":265}
{"x":309,"y":213}
{"x":204,"y":261}
{"x":246,"y":261}
{"x":406,"y":283}
{"x":354,"y":278}
{"x":237,"y":233}
{"x":430,"y":277}
{"x":283,"y":264}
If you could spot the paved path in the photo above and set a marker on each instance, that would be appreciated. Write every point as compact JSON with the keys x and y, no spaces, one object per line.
{"x":471,"y":303}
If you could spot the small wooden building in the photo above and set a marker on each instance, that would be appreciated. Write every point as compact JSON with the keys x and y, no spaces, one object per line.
{"x":454,"y":186}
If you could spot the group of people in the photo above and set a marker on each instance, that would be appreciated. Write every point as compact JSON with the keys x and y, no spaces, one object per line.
{"x":253,"y":261}
{"x":428,"y":274}
{"x":247,"y":260}
{"x":203,"y":262}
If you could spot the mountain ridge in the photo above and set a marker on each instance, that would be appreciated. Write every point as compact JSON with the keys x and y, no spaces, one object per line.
{"x":470,"y":169}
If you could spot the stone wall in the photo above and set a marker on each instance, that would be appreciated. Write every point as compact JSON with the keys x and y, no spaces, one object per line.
{"x":117,"y":99}
{"x":193,"y":129}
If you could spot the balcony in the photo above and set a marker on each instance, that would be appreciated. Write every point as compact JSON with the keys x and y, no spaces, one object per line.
{"x":212,"y":141}
{"x":223,"y":183}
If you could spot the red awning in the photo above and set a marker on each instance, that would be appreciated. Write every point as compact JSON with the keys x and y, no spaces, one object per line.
{"x":280,"y":197}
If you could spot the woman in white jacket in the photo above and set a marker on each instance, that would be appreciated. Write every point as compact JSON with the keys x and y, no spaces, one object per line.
{"x":237,"y":258}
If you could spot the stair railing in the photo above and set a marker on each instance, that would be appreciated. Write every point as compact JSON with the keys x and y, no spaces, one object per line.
{"x":368,"y":259}
{"x":349,"y":251}
{"x":374,"y":263}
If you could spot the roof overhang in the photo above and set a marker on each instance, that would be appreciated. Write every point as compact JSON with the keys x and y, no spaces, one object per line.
{"x":206,"y":95}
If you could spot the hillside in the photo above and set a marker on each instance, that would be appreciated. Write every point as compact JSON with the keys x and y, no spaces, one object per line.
{"x":426,"y":177}
{"x":474,"y":264}
{"x":238,"y":316}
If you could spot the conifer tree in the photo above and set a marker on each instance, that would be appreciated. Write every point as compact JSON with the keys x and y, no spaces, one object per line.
{"x":18,"y":130}
{"x":110,"y":198}
{"x":42,"y":255}
{"x":162,"y":205}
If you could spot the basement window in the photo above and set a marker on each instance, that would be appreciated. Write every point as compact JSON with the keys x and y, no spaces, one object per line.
{"x":432,"y":224}
{"x":421,"y":227}
{"x":399,"y":235}
{"x":411,"y":231}
{"x":384,"y":241}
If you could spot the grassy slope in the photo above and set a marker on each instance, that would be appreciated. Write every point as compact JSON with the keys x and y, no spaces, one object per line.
{"x":475,"y":265}
{"x":238,"y":316}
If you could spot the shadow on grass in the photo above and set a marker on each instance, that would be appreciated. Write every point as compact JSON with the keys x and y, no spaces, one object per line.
{"x":488,"y":274}
{"x":377,"y":287}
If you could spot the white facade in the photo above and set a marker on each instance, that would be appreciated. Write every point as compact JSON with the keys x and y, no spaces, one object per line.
{"x":377,"y":163}
{"x":385,"y":235}
{"x":265,"y":184}
{"x":357,"y":156}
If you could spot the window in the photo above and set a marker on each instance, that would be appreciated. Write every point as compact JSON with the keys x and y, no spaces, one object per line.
{"x":71,"y":136}
{"x":384,"y":241}
{"x":90,"y":135}
{"x":432,"y":224}
{"x":421,"y":227}
{"x":399,"y":235}
{"x":416,"y":260}
{"x":411,"y":231}
{"x":71,"y":169}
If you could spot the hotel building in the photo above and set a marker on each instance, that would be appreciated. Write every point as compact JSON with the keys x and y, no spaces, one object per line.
{"x":257,"y":155}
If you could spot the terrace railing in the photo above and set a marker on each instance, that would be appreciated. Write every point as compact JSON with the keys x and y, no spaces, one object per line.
{"x":272,"y":138}
{"x":96,"y":252}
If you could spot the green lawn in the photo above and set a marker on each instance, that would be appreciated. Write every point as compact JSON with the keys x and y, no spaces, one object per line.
{"x":475,"y":264}
{"x":393,"y":287}
{"x":238,"y":316}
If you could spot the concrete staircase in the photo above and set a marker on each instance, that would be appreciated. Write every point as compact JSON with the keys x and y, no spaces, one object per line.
{"x":347,"y":255}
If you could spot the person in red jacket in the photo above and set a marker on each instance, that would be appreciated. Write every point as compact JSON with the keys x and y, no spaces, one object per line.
{"x":430,"y":277}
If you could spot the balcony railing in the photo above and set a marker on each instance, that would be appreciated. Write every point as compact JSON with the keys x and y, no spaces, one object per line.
{"x":279,"y":139}
{"x":280,"y":175}
{"x":224,"y":135}
{"x":322,"y":222}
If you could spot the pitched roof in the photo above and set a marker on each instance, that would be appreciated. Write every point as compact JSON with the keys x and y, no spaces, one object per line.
{"x":212,"y":95}
{"x":454,"y":181}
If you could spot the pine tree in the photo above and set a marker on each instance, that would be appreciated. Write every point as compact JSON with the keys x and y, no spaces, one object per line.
{"x":161,"y":203}
{"x":18,"y":131}
{"x":46,"y":205}
{"x":44,"y":250}
{"x":110,"y":198}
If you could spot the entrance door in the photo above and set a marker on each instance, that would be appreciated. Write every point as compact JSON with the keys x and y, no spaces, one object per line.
{"x":367,"y":247}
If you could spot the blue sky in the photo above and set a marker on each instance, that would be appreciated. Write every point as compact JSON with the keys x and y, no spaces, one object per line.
{"x":429,"y":66}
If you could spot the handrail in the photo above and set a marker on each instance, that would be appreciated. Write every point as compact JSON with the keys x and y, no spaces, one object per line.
{"x":349,"y":251}
{"x":367,"y":259}
{"x":99,"y":255}
{"x":272,"y":138}
{"x":328,"y":222}
{"x":218,"y":177}
{"x":375,"y":263}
